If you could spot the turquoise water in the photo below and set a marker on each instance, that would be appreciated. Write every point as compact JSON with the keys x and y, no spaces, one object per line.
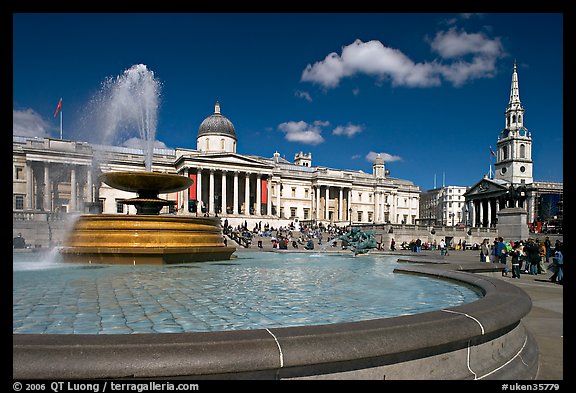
{"x":256,"y":290}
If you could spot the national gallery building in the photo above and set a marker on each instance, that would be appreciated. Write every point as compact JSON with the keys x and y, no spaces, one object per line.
{"x":54,"y":176}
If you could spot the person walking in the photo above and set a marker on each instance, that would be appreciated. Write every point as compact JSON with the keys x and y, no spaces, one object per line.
{"x":500,"y":252}
{"x":442,"y":246}
{"x":515,"y":254}
{"x":542,"y":254}
{"x":558,"y":262}
{"x":485,"y":251}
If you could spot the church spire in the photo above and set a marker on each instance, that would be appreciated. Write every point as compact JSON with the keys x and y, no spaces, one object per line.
{"x":514,"y":91}
{"x":514,"y":110}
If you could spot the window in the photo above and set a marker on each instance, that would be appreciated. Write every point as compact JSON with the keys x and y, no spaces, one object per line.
{"x":360,"y":196}
{"x":292,"y":212}
{"x":370,"y":216}
{"x":293,"y":192}
{"x":119,"y":207}
{"x":522,"y":151}
{"x":504,"y":152}
{"x":18,"y":173}
{"x":369,"y":197}
{"x":306,"y":214}
{"x":222,"y":144}
{"x":19,"y":202}
{"x":207,"y":143}
{"x":522,"y":169}
{"x":305,"y":193}
{"x":359,"y":216}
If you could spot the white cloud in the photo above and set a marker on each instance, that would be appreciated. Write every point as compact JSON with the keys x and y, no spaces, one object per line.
{"x":139,"y":143}
{"x":300,"y":131}
{"x":303,"y":94}
{"x":370,"y":157}
{"x":29,"y":123}
{"x":375,"y":59}
{"x":349,"y":130}
{"x":451,"y":44}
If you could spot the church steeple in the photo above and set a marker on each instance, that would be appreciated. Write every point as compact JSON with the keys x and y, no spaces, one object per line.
{"x":514,"y":146}
{"x":514,"y":110}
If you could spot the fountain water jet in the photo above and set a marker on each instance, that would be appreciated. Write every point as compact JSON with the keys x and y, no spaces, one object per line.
{"x":147,"y":237}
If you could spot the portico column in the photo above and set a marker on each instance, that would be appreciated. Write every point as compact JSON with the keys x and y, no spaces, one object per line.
{"x":247,"y":195}
{"x":211,"y":193}
{"x":29,"y":185}
{"x":489,"y":213}
{"x":471,"y":212}
{"x":199,"y":189}
{"x":224,"y":211}
{"x":235,"y":207}
{"x":47,"y":193}
{"x":269,"y":196}
{"x":258,"y":194}
{"x":326,"y":203}
{"x":481,"y":214}
{"x":318,"y":190}
{"x":278,"y":191}
{"x":73,"y":188}
{"x":348,"y":212}
{"x":340,"y":202}
{"x":89,"y":185}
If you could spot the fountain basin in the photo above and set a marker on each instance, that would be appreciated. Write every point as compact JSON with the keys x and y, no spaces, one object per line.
{"x":484,"y":339}
{"x":145,"y":239}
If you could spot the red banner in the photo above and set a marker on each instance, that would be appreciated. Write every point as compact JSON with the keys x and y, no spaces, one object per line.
{"x":192,"y":189}
{"x":264,"y":188}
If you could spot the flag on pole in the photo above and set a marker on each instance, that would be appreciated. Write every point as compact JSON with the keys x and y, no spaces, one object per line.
{"x":492,"y":152}
{"x":58,"y":108}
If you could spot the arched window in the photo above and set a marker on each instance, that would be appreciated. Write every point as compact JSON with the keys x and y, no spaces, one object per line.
{"x":504,"y":152}
{"x":520,"y":119}
{"x":513,"y":118}
{"x":522,"y":151}
{"x":207,"y":143}
{"x":222,"y":144}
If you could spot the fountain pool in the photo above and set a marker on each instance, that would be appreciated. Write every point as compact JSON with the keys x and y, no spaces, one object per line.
{"x":253,"y":291}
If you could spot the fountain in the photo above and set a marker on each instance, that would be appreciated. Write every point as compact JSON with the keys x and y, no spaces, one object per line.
{"x":147,"y":237}
{"x":359,"y":241}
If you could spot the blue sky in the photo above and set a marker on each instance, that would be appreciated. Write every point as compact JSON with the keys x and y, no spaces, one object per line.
{"x":427,"y":91}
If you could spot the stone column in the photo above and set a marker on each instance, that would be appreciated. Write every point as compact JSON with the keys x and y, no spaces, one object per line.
{"x":247,"y":195}
{"x":235,"y":207}
{"x":340,"y":203}
{"x":211,"y":193}
{"x":258,"y":194}
{"x":224,"y":211}
{"x":318,"y":190}
{"x":269,"y":200}
{"x":278,"y":191}
{"x":186,"y":193}
{"x":326,"y":200}
{"x":473,"y":213}
{"x":47,"y":205}
{"x":481,"y":213}
{"x":29,"y":185}
{"x":489,"y":212}
{"x":89,"y":185}
{"x":73,"y":189}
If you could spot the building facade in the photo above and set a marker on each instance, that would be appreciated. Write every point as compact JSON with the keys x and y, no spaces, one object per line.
{"x":512,"y":184}
{"x":62,"y":176}
{"x":445,"y":206}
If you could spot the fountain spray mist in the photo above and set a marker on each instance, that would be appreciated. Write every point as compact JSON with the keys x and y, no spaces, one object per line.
{"x":126,"y":104}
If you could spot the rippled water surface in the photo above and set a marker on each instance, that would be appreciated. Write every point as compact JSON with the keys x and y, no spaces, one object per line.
{"x":256,"y":290}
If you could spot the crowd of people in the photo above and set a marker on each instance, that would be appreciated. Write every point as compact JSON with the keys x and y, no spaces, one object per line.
{"x":529,"y":257}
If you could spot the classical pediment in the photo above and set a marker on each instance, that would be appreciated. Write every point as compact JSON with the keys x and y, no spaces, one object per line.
{"x":486,"y":186}
{"x":225,"y":160}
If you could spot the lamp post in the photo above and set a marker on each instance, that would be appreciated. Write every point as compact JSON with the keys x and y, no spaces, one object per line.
{"x":350,"y":217}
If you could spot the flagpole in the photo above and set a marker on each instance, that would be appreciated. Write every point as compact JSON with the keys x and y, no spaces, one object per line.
{"x":60,"y":124}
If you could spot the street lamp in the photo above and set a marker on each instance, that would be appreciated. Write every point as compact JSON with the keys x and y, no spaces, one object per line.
{"x":350,"y":217}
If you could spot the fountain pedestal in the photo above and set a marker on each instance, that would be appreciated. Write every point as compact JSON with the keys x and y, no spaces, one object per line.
{"x":147,"y":237}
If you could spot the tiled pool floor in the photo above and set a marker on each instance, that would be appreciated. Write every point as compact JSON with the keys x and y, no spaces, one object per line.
{"x":256,"y":290}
